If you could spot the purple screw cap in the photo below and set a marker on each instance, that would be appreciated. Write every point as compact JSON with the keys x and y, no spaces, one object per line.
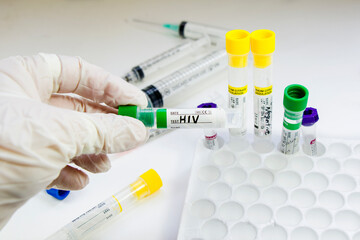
{"x":207,"y":105}
{"x":310,"y":117}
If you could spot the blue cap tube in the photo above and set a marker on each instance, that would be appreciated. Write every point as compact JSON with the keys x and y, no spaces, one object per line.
{"x":58,"y":194}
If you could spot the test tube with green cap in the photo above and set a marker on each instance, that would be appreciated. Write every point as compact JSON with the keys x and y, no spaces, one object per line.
{"x":104,"y":212}
{"x":295,"y":101}
{"x":157,"y":118}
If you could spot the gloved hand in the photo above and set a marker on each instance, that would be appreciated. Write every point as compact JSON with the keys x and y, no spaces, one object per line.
{"x":42,"y":130}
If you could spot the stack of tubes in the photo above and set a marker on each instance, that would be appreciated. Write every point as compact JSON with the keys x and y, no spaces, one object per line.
{"x":237,"y":50}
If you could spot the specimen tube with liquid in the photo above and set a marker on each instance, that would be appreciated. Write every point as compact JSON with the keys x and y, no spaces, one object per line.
{"x":309,"y":121}
{"x":148,"y":67}
{"x":238,"y":47}
{"x":181,"y":79}
{"x":155,"y":118}
{"x":104,"y":212}
{"x":262,"y":47}
{"x":295,"y":101}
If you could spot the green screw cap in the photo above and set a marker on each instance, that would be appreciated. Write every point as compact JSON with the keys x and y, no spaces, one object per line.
{"x":295,"y":97}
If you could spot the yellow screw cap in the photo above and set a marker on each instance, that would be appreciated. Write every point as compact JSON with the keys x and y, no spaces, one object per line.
{"x":152,"y":180}
{"x":262,"y":46}
{"x":238,"y":47}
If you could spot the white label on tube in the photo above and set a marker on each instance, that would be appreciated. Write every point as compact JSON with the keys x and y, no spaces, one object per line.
{"x":237,"y":99}
{"x":289,"y":141}
{"x":262,"y":115}
{"x":211,"y":141}
{"x":310,"y":146}
{"x":195,"y":118}
{"x":92,"y":218}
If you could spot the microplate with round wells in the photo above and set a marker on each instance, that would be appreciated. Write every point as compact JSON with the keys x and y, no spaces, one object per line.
{"x":249,"y":190}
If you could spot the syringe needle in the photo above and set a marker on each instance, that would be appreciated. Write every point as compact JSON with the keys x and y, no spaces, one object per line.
{"x":145,"y":22}
{"x":174,"y":27}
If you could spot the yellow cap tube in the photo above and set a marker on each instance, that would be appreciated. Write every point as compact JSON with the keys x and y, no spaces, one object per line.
{"x":238,"y":47}
{"x":104,"y":212}
{"x":148,"y":183}
{"x":262,"y":47}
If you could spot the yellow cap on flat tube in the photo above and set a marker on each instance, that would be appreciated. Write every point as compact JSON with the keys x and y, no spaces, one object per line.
{"x":148,"y":183}
{"x":262,"y":47}
{"x":238,"y":47}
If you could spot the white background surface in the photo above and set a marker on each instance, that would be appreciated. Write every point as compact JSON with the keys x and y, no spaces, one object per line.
{"x":317,"y":46}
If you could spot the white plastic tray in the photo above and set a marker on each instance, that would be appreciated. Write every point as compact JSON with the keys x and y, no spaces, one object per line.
{"x":248,"y":190}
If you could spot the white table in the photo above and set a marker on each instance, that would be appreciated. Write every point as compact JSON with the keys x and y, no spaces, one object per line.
{"x":317,"y":46}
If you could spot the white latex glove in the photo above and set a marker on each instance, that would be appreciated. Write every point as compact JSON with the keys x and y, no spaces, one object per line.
{"x":38,"y":139}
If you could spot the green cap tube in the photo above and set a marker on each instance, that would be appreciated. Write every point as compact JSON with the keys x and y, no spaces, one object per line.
{"x":295,"y":98}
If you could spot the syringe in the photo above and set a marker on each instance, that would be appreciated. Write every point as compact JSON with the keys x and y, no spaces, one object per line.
{"x":191,"y":30}
{"x":144,"y":69}
{"x":183,"y":118}
{"x":148,"y":183}
{"x":191,"y":73}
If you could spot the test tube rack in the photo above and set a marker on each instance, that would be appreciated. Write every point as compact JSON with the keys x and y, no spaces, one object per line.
{"x":250,"y":190}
